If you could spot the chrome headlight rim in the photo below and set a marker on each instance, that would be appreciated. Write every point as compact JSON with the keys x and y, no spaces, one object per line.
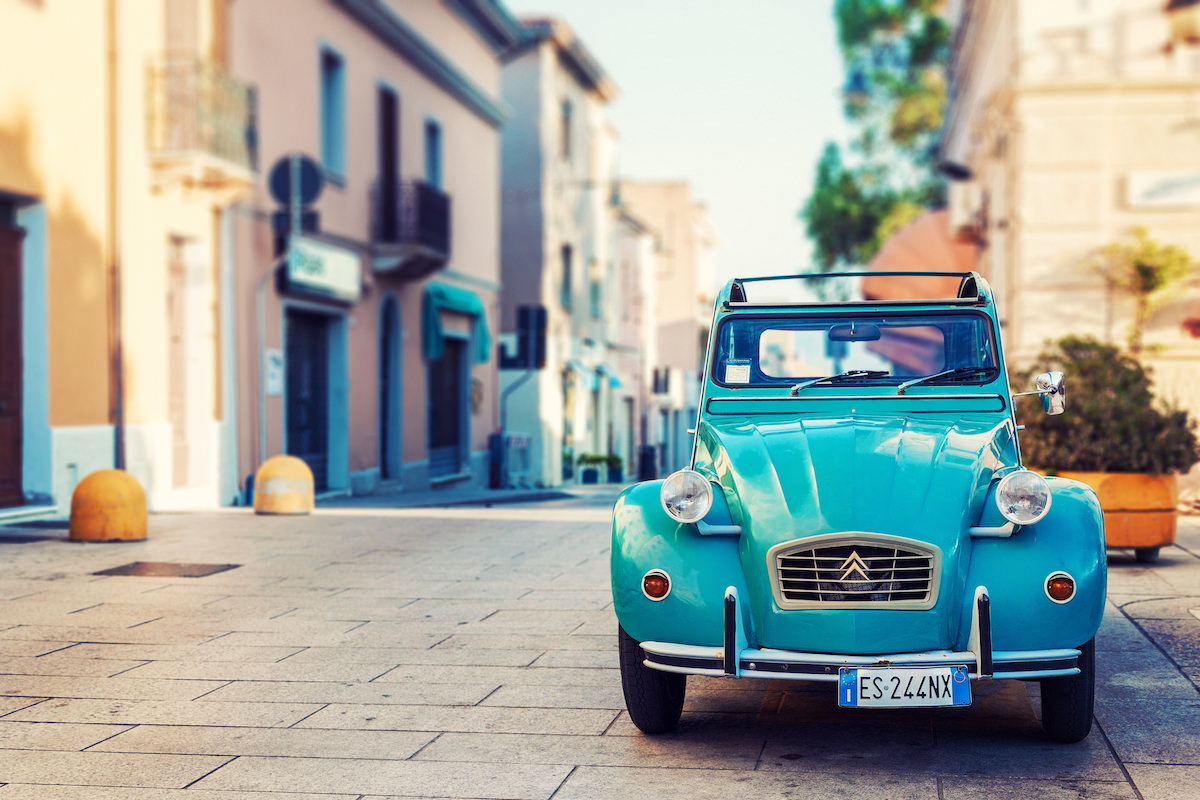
{"x":674,"y":486}
{"x":1023,"y":473}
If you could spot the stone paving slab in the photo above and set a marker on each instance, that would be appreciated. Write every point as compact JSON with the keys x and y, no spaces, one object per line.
{"x":1156,"y":782}
{"x":31,"y":648}
{"x":953,"y":788}
{"x":605,"y":783}
{"x":639,"y":751}
{"x":526,"y":676}
{"x":61,"y":736}
{"x":476,"y":642}
{"x":605,"y":697}
{"x":433,"y":779}
{"x":118,"y":688}
{"x":17,"y":791}
{"x":473,"y":719}
{"x":66,"y":667}
{"x":109,"y":769}
{"x":156,"y":712}
{"x":207,"y":651}
{"x":436,"y":694}
{"x":242,"y":741}
{"x":289,"y":670}
{"x":447,"y":656}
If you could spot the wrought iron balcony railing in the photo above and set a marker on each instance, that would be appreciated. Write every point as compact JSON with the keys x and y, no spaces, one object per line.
{"x":410,"y":212}
{"x":195,"y":109}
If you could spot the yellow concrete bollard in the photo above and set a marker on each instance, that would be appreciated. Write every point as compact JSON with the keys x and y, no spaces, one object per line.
{"x":283,"y":485}
{"x":108,"y":506}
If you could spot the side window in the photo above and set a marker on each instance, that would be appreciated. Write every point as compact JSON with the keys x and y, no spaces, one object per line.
{"x":567,"y":289}
{"x":333,"y":113}
{"x":433,"y":154}
{"x":564,"y":141}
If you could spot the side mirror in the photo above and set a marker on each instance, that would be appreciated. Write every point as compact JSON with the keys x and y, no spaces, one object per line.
{"x":1053,"y":391}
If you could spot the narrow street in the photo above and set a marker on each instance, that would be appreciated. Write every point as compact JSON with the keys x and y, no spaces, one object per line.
{"x":470,"y":652}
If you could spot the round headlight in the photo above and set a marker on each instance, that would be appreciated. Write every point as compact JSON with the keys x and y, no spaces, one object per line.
{"x":686,"y":496}
{"x":1023,"y":497}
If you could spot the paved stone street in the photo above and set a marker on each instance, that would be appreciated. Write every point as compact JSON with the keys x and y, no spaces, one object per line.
{"x":469,"y":652}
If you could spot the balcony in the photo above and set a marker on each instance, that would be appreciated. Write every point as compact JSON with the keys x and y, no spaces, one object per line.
{"x":410,"y":228}
{"x":202,"y":127}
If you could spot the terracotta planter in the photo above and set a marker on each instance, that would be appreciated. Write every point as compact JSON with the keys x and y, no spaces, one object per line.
{"x":1139,"y":510}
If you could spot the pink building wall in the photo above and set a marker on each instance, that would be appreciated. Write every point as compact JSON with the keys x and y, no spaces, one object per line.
{"x":283,"y":60}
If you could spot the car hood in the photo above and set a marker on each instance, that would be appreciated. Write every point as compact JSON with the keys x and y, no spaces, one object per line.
{"x":924,"y":477}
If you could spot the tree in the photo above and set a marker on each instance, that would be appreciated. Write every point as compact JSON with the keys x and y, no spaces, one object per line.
{"x":1146,"y":272}
{"x":896,"y":54}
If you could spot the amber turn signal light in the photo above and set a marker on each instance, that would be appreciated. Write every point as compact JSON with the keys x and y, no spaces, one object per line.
{"x":1060,"y":587}
{"x":656,"y":585}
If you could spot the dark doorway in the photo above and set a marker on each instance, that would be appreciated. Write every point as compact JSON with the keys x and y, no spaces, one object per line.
{"x":389,"y":392}
{"x":447,"y":410}
{"x":11,"y":370}
{"x":389,"y":165}
{"x":307,"y":337}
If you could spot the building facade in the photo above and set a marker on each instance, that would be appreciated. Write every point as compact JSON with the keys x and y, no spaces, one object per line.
{"x":1071,"y":124}
{"x":685,"y":285}
{"x":120,"y":160}
{"x":558,"y":234}
{"x":366,"y":338}
{"x":158,"y":312}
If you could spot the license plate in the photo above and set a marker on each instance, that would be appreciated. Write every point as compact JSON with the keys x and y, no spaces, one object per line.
{"x":902,"y":687}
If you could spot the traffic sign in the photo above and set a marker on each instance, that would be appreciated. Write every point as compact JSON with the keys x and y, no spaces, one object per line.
{"x":307,"y":183}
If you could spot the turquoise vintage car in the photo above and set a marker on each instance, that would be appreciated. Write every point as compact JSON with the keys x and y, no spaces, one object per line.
{"x":856,"y":512}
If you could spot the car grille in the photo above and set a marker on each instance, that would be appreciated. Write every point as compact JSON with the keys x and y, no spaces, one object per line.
{"x":843,"y":572}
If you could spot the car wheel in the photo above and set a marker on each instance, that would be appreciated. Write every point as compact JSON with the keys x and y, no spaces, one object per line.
{"x":1067,"y":702}
{"x":653,"y":698}
{"x":1146,"y":555}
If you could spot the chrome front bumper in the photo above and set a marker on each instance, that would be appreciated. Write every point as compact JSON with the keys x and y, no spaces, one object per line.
{"x":735,"y":659}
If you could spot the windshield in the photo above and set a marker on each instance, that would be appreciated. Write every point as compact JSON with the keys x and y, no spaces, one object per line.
{"x":860,"y":349}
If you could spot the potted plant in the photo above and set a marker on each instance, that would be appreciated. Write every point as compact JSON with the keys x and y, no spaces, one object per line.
{"x":589,"y":467}
{"x":1116,"y":437}
{"x":615,"y":473}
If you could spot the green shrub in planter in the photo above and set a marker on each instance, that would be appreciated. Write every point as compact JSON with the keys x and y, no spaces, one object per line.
{"x":589,"y":464}
{"x":1113,"y":421}
{"x":615,"y":474}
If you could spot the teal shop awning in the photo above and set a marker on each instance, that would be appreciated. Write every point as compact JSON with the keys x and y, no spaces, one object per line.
{"x":606,"y":371}
{"x":438,"y":298}
{"x":585,"y":372}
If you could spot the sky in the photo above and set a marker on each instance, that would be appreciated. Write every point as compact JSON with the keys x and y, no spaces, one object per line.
{"x":738,"y":97}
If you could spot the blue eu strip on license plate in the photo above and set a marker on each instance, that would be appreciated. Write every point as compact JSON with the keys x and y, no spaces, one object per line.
{"x":903,"y":687}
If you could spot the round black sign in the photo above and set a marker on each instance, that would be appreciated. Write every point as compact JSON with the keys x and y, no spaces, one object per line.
{"x":310,"y":184}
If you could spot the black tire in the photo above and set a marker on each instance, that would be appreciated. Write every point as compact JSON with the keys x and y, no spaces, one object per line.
{"x":1146,"y":555}
{"x":1067,"y":702}
{"x":653,"y":698}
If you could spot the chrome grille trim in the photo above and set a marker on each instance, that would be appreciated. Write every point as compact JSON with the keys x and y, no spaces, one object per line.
{"x":890,"y":572}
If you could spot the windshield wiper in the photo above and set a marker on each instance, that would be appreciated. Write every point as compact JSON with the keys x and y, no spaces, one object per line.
{"x":956,"y":372}
{"x":854,"y":373}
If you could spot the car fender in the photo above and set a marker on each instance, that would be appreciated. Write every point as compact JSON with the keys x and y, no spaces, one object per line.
{"x":1070,"y":538}
{"x":700,"y":569}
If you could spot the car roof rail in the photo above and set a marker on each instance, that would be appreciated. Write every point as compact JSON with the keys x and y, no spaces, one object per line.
{"x":973,"y":290}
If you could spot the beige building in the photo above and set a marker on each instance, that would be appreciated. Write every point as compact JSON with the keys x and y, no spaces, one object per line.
{"x":372,"y":356}
{"x":1070,"y":124}
{"x":559,"y":162}
{"x":125,"y":141}
{"x":685,"y":285}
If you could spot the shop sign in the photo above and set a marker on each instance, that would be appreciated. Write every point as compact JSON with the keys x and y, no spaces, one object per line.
{"x":1163,"y":189}
{"x":325,"y":269}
